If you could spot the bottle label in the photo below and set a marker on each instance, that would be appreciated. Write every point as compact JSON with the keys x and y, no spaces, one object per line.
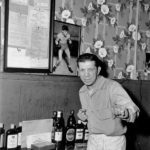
{"x":19,"y":139}
{"x":1,"y":140}
{"x":12,"y":141}
{"x":58,"y":136}
{"x":70,"y":134}
{"x":86,"y":136}
{"x":79,"y":134}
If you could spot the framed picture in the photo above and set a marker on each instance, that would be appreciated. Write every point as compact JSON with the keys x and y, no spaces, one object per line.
{"x":28,"y":30}
{"x":66,"y":47}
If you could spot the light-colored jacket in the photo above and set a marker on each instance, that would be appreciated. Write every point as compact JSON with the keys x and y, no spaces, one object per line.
{"x":99,"y":107}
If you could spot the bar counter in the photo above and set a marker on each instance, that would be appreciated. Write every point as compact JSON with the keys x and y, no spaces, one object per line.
{"x":77,"y":146}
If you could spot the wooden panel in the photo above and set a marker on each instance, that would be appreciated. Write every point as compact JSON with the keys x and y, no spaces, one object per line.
{"x":9,"y":102}
{"x":36,"y":97}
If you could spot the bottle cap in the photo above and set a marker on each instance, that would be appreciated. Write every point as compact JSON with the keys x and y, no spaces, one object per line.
{"x":1,"y":125}
{"x":72,"y":112}
{"x":59,"y":113}
{"x":12,"y":126}
{"x":79,"y":121}
{"x":54,"y":113}
{"x":20,"y":124}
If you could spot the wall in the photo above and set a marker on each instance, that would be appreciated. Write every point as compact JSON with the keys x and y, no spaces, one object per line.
{"x":30,"y":97}
{"x":138,"y":134}
{"x":131,"y":12}
{"x":33,"y":97}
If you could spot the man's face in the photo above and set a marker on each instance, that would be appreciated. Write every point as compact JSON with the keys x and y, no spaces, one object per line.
{"x":88,"y":72}
{"x":64,"y":32}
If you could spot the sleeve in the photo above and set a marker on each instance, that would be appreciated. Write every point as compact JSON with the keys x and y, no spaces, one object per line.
{"x":82,"y":114}
{"x":83,"y":101}
{"x":58,"y":37}
{"x":68,"y":36}
{"x":120,"y":97}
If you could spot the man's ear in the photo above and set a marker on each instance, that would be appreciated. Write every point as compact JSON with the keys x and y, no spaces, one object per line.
{"x":98,"y":70}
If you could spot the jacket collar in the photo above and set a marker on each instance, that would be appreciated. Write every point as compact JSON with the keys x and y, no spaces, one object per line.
{"x":99,"y":84}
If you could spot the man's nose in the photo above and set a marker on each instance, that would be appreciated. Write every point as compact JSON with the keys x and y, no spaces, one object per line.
{"x":86,"y":73}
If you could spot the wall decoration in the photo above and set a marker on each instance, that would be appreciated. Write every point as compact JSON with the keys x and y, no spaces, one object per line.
{"x":28,"y":27}
{"x":99,"y":9}
{"x":130,"y":39}
{"x":66,"y":15}
{"x":130,"y":34}
{"x":66,"y":48}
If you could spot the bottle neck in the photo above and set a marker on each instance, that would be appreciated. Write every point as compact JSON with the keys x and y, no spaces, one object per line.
{"x":12,"y":126}
{"x":59,"y":114}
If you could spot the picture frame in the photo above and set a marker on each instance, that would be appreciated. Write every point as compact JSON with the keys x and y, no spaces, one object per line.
{"x":28,"y":30}
{"x":66,"y":48}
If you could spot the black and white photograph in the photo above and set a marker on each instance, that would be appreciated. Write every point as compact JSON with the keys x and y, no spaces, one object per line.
{"x":74,"y":74}
{"x":66,"y":47}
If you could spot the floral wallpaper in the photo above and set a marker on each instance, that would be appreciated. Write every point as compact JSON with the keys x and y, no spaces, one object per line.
{"x":117,"y":31}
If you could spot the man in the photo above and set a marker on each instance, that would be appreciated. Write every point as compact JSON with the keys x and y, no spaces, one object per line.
{"x":105,"y":105}
{"x":62,"y":40}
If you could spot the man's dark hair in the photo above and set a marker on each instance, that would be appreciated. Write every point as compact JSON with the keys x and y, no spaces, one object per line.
{"x":98,"y":63}
{"x":64,"y":27}
{"x":91,"y":57}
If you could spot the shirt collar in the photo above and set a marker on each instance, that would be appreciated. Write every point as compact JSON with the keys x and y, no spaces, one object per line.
{"x":98,"y":85}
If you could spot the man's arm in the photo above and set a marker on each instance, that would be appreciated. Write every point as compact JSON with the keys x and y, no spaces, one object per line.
{"x":123,"y":106}
{"x":58,"y":37}
{"x":82,"y":113}
{"x":69,"y":39}
{"x":125,"y":113}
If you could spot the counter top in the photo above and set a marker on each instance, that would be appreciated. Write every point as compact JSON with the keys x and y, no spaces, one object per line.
{"x":77,"y":146}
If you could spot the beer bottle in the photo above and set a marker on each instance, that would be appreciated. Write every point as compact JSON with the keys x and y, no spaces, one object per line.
{"x":86,"y":132}
{"x":62,"y":120}
{"x":71,"y":117}
{"x":19,"y":132}
{"x":54,"y":126}
{"x":11,"y":138}
{"x":58,"y":135}
{"x":79,"y":132}
{"x":70,"y":129}
{"x":2,"y":134}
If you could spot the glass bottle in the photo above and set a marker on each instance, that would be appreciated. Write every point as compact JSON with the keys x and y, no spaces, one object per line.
{"x":62,"y":120}
{"x":11,"y":138}
{"x":70,"y":129}
{"x":58,"y":136}
{"x":79,"y":132}
{"x":86,"y":132}
{"x":19,"y":133}
{"x":2,"y":134}
{"x":71,"y":117}
{"x":54,"y":126}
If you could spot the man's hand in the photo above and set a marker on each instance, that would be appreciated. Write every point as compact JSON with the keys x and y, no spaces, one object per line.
{"x":82,"y":114}
{"x":121,"y":112}
{"x":70,"y":42}
{"x":56,"y":42}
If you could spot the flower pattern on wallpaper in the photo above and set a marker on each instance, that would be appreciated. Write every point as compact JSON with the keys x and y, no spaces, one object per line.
{"x":145,"y":5}
{"x":98,"y":48}
{"x":129,"y":35}
{"x":66,"y":15}
{"x":97,"y":10}
{"x":127,"y":73}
